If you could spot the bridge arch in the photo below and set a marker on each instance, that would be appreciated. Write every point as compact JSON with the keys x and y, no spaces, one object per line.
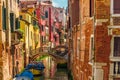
{"x":58,"y":54}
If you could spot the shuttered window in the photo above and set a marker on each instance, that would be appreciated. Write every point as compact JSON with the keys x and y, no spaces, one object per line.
{"x":4,"y":18}
{"x":46,"y":14}
{"x":34,"y":22}
{"x":116,"y":6}
{"x":91,"y":8}
{"x":116,"y":47}
{"x":17,"y":23}
{"x":21,"y":17}
{"x":12,"y":21}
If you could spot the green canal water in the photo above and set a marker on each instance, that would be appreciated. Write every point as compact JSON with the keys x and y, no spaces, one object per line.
{"x":39,"y":78}
{"x":61,"y":74}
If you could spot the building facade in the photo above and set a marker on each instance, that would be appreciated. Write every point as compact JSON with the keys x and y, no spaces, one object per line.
{"x":10,"y":42}
{"x":31,"y":28}
{"x":95,"y":31}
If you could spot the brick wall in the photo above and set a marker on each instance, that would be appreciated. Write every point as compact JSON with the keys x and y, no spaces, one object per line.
{"x":102,"y":41}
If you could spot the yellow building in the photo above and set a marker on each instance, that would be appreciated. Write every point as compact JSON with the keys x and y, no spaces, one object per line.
{"x":28,"y":24}
{"x":19,"y":37}
{"x":25,"y":25}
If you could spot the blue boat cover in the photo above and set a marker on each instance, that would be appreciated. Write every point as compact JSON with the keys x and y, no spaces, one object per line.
{"x":25,"y":75}
{"x":38,"y":66}
{"x":22,"y":78}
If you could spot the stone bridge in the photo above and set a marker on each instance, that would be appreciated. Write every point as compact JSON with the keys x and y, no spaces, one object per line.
{"x":59,"y":54}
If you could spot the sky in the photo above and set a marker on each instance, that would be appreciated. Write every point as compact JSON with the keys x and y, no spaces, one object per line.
{"x":60,"y":3}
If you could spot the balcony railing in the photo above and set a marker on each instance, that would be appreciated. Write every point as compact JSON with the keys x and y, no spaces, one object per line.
{"x":39,"y":50}
{"x":115,"y":20}
{"x":59,"y":57}
{"x":117,"y":68}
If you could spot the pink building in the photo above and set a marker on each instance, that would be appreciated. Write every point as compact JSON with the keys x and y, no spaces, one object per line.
{"x":51,"y":20}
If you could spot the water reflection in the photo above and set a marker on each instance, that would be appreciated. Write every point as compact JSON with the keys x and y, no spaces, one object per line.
{"x":50,"y":69}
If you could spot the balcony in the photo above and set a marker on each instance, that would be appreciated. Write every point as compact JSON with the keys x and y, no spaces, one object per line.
{"x":17,"y":36}
{"x":115,"y":71}
{"x":115,"y":20}
{"x":41,"y":50}
{"x":117,"y":68}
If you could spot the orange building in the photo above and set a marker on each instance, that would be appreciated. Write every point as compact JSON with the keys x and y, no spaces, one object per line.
{"x":94,"y":39}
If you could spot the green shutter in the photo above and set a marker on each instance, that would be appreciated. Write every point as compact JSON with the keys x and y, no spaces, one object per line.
{"x":17,"y":23}
{"x":12,"y":21}
{"x":4,"y":18}
{"x":34,"y":22}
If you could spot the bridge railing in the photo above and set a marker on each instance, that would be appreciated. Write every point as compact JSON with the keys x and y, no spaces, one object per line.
{"x":50,"y":51}
{"x":39,"y":50}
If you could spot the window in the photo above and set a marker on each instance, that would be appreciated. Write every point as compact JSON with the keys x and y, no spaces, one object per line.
{"x":115,"y":12}
{"x":91,"y":55}
{"x":21,"y":17}
{"x":61,"y":11}
{"x":116,"y":51}
{"x":46,"y":14}
{"x":116,"y":6}
{"x":4,"y":17}
{"x":115,"y":65}
{"x":43,"y":39}
{"x":34,"y":22}
{"x":17,"y":23}
{"x":34,"y":13}
{"x":91,"y":8}
{"x":12,"y":21}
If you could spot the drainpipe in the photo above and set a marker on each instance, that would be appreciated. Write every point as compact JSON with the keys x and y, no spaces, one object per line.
{"x":8,"y":41}
{"x":50,"y":31}
{"x":94,"y":18}
{"x":8,"y":33}
{"x":28,"y":44}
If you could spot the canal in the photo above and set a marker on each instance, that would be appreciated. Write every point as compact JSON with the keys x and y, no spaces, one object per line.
{"x":53,"y":71}
{"x":61,"y":74}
